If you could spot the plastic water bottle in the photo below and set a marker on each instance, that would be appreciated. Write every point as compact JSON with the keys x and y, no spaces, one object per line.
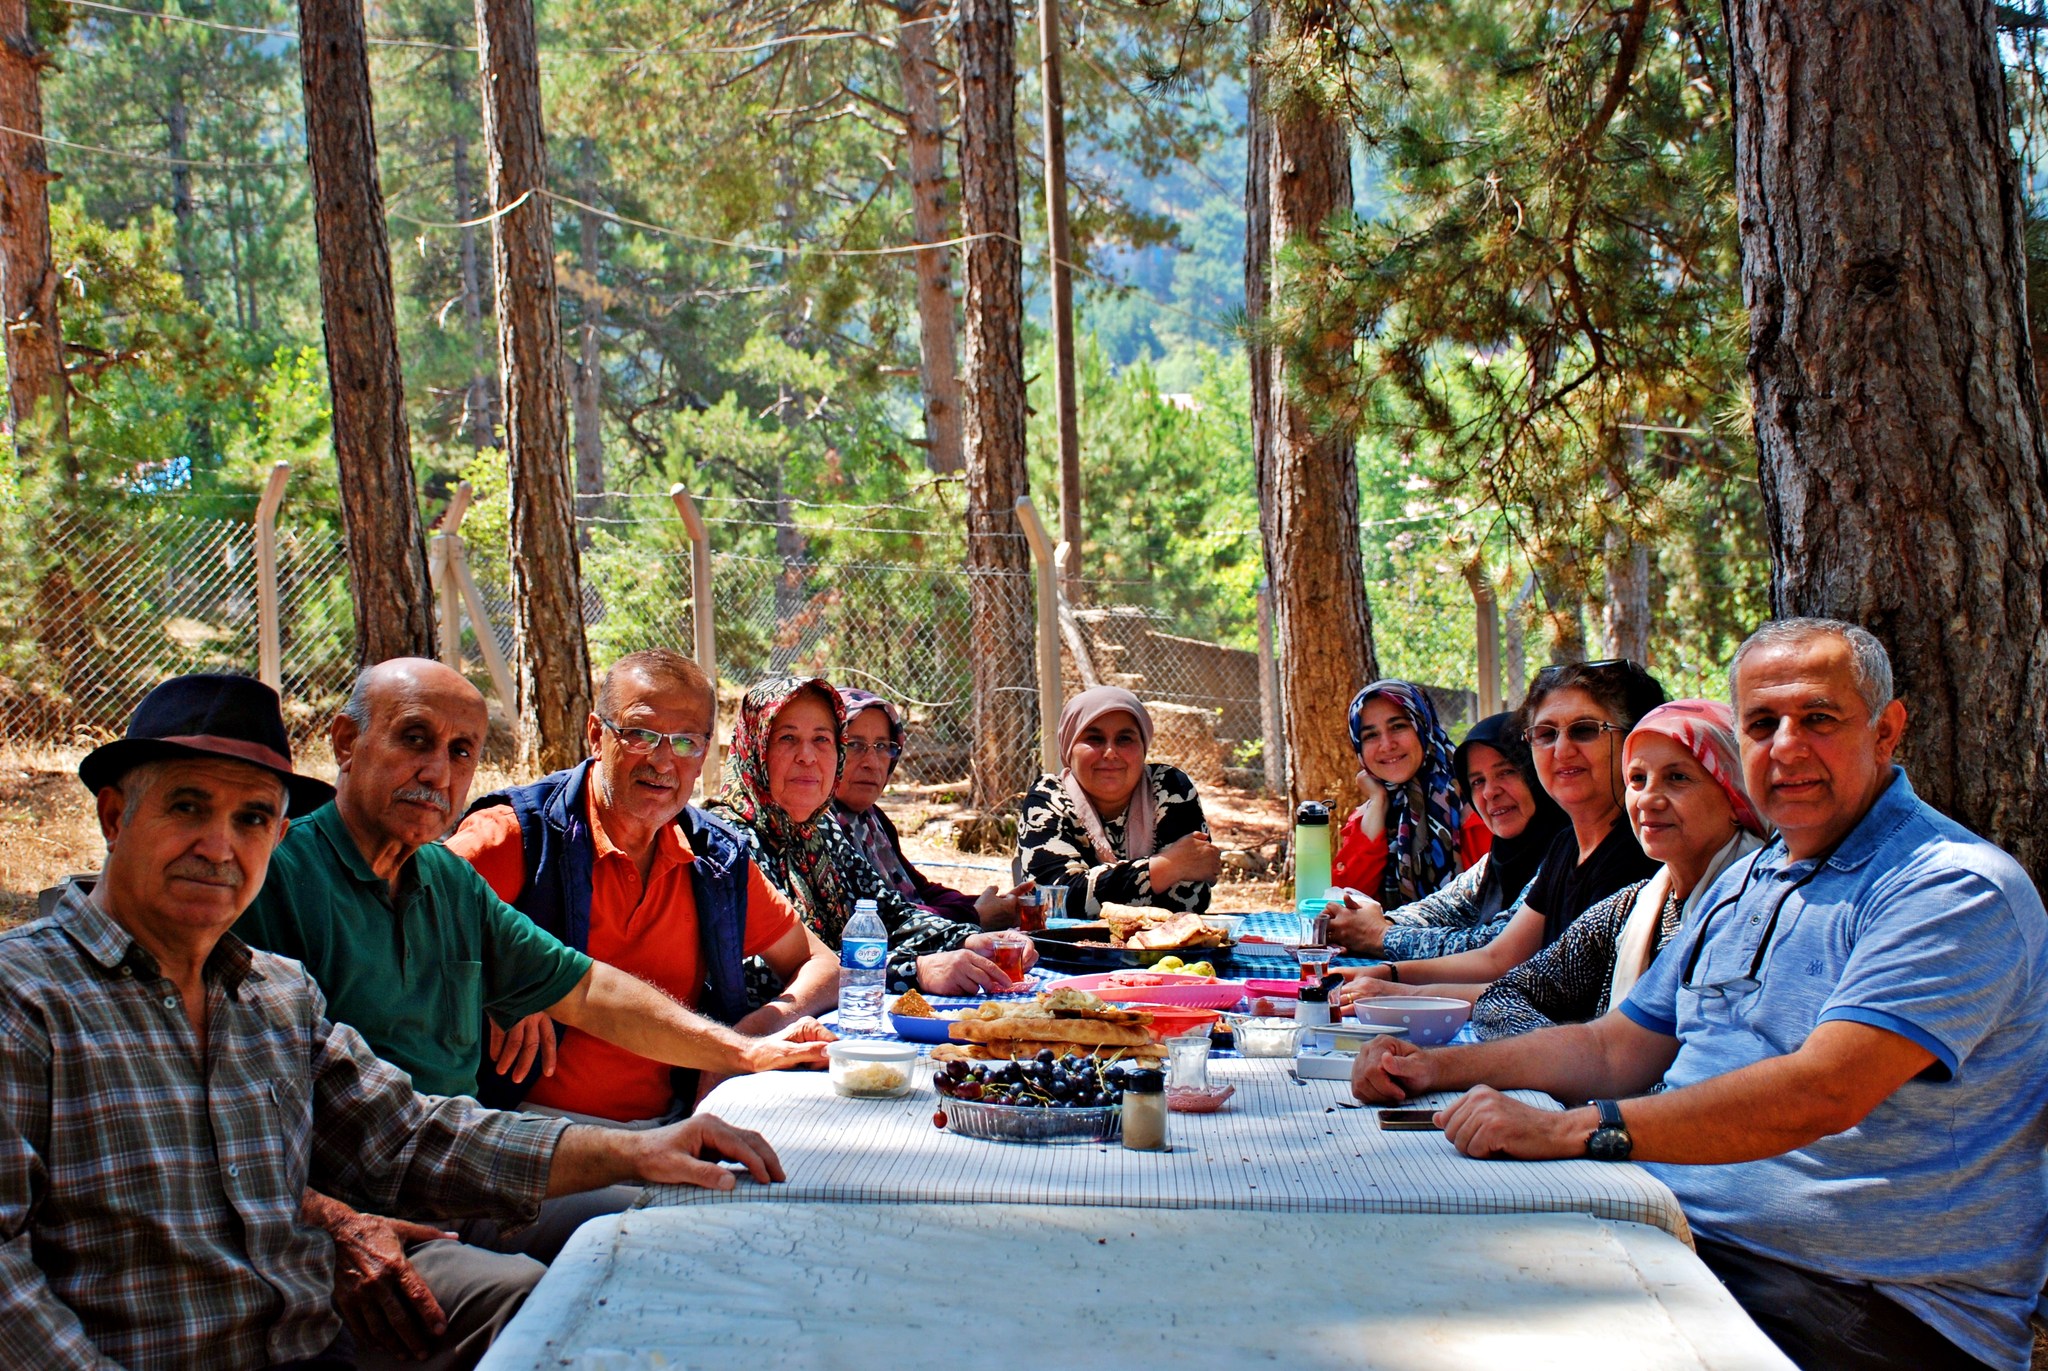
{"x":863,"y":968}
{"x":1311,"y":858}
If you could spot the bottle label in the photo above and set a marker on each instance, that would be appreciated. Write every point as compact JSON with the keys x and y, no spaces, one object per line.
{"x":865,"y":955}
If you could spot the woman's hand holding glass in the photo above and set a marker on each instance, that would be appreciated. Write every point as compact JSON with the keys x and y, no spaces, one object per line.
{"x":1358,"y":923}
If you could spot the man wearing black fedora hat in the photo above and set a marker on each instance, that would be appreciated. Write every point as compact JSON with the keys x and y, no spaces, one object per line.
{"x":167,"y":1094}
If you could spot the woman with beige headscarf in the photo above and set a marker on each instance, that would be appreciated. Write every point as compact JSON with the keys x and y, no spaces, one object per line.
{"x":1112,"y":828}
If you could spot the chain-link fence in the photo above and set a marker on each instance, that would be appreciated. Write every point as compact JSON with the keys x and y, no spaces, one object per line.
{"x":97,"y":607}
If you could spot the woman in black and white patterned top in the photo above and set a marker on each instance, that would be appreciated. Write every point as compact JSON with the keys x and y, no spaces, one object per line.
{"x":1112,"y":828}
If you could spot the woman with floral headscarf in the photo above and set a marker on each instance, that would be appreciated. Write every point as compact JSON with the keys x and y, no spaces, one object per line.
{"x":787,"y":753}
{"x":874,"y":742}
{"x":1414,"y":833}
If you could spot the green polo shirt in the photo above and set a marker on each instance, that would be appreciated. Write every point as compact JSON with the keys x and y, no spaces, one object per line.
{"x":413,"y":974}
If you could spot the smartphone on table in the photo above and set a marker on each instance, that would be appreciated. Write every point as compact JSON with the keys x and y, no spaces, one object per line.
{"x":1416,"y":1120}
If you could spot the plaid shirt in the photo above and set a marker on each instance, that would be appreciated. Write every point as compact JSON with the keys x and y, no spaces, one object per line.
{"x":149,"y":1194}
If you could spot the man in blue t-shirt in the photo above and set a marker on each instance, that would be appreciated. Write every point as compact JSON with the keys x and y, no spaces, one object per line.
{"x":1852,"y":1039}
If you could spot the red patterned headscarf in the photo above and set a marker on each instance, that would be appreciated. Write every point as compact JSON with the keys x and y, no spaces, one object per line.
{"x":1706,"y":729}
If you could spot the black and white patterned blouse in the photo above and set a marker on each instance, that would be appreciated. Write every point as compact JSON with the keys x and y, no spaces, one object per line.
{"x":1053,"y":848}
{"x":1459,"y":916}
{"x":1568,"y":982}
{"x":914,"y":931}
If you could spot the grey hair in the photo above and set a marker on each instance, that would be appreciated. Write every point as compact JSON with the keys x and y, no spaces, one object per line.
{"x":357,"y":708}
{"x":136,"y":783}
{"x":1872,"y":664}
{"x":138,"y":780}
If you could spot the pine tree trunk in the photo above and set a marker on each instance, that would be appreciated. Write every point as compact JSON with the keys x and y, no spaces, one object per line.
{"x":372,"y":444}
{"x":998,"y":562}
{"x":938,"y":369}
{"x":28,"y":278}
{"x":480,"y":401}
{"x":1625,"y":613}
{"x":589,"y":360}
{"x":1898,"y":424}
{"x":553,"y":665}
{"x":1066,"y":406}
{"x":1298,"y":175}
{"x":177,"y":146}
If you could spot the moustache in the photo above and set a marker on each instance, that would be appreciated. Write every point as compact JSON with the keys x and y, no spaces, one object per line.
{"x":421,"y":795}
{"x":228,"y":873}
{"x":653,"y":774}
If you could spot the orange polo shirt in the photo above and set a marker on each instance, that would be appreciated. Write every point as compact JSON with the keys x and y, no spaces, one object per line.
{"x":650,"y":932}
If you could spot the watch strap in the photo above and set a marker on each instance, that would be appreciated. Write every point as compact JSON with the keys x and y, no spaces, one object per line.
{"x":1610,"y":1113}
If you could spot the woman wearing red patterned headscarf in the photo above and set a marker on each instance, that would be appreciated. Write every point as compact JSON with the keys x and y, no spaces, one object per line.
{"x":1685,"y":799}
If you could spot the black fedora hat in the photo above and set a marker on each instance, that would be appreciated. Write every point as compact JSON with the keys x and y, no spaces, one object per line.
{"x":237,"y":717}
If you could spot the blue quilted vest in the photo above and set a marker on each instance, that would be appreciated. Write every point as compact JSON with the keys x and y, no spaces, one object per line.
{"x":554,"y":832}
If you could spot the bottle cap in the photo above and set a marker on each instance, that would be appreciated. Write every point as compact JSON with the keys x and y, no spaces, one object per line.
{"x":1315,"y":994}
{"x":1146,"y":1080}
{"x":1312,"y":812}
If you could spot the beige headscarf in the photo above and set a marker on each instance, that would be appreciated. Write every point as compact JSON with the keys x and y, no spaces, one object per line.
{"x":1706,"y":729}
{"x":1140,"y":819}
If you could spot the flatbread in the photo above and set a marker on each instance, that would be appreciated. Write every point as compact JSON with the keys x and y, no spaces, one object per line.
{"x":1008,"y":1050}
{"x":1047,"y":1032}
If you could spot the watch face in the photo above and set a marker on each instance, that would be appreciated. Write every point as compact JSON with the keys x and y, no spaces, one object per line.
{"x":1609,"y":1145}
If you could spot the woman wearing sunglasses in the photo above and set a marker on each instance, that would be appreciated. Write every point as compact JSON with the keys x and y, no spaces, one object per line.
{"x":874,"y":742}
{"x":787,"y":748}
{"x":1574,"y":717}
{"x":1690,"y":810}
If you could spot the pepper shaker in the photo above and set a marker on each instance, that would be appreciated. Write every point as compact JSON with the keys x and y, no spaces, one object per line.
{"x":1144,"y":1110}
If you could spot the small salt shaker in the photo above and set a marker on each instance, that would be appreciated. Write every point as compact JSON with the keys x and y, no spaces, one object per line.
{"x":1144,"y":1110}
{"x":1312,"y":1010}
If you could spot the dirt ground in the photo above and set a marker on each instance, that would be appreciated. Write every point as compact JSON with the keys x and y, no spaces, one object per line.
{"x":48,"y":831}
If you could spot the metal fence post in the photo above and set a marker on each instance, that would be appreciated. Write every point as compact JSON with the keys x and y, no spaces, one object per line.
{"x":1269,"y":698}
{"x":441,"y":566}
{"x":269,"y":633}
{"x":1049,"y":690}
{"x":702,"y":615}
{"x":1486,"y":636}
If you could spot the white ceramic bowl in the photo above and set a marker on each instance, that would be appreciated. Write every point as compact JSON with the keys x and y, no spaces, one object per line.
{"x":1429,"y":1019}
{"x":865,"y":1068}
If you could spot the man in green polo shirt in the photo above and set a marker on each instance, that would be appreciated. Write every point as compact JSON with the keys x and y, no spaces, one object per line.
{"x":412,"y":948}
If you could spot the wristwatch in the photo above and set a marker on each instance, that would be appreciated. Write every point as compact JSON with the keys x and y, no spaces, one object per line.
{"x":1610,"y":1141}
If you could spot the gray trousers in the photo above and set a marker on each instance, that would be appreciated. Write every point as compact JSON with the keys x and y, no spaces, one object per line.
{"x":481,"y":1281}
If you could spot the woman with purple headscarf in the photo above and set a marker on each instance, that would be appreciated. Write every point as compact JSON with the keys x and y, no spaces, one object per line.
{"x":874,"y":743}
{"x":1112,"y":828}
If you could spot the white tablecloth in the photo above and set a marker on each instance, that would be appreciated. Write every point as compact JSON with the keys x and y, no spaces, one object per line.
{"x":826,"y":1287}
{"x":1281,"y":1144}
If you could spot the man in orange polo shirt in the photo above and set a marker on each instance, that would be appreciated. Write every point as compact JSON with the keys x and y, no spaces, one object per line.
{"x":609,"y":857}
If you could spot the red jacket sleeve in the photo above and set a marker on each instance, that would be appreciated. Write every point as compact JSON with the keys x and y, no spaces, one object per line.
{"x":1475,"y":840}
{"x":1359,"y":863}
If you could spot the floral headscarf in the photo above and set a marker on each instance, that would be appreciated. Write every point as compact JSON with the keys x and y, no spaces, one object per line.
{"x":1706,"y":729}
{"x":1423,"y":816}
{"x":814,"y":882}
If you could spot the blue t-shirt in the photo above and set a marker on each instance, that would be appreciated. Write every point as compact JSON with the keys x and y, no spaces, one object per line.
{"x":1939,"y":1198}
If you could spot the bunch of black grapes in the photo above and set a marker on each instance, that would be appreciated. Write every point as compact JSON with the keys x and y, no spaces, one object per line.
{"x":1047,"y":1080}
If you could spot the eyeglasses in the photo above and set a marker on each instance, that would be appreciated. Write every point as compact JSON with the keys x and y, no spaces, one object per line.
{"x":857,"y":750}
{"x":1556,"y":668}
{"x":1584,"y":732}
{"x":645,"y":740}
{"x":1736,"y":987}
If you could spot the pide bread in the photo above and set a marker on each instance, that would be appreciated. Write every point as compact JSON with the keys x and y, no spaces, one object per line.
{"x":1005,"y":1050}
{"x":1060,"y":1019}
{"x":1049,"y":1032}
